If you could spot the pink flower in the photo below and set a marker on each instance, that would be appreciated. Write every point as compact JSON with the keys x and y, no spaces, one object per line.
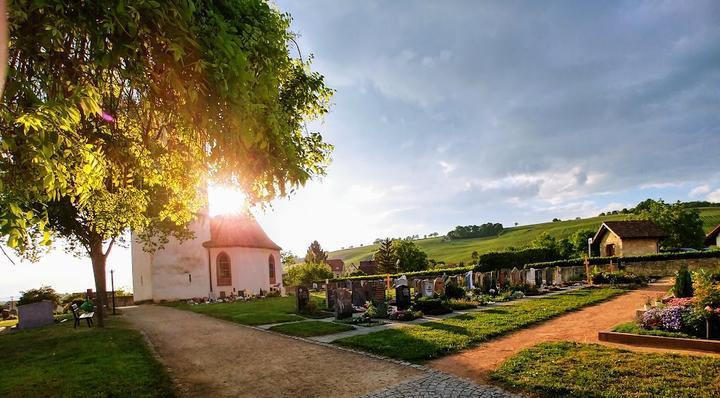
{"x":708,"y":308}
{"x":107,"y":117}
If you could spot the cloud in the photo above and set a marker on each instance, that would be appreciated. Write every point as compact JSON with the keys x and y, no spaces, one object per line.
{"x":699,"y":190}
{"x":447,"y":168}
{"x":714,"y":196}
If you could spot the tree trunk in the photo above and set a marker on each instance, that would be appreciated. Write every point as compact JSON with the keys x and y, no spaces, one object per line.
{"x":98,"y":262}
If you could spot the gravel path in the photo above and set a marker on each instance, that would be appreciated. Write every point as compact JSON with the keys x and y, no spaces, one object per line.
{"x":213,"y":358}
{"x":441,"y":385}
{"x":581,"y":326}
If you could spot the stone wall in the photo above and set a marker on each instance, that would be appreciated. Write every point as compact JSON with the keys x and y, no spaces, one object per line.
{"x":669,"y":267}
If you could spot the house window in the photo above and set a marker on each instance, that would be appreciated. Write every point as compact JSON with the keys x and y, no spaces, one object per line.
{"x":224,"y":276}
{"x":609,"y":250}
{"x":271,"y":268}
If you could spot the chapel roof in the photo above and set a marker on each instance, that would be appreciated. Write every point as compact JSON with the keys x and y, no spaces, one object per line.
{"x":336,"y":264}
{"x":238,"y":230}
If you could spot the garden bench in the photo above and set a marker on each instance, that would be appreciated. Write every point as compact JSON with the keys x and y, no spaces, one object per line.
{"x":78,"y":316}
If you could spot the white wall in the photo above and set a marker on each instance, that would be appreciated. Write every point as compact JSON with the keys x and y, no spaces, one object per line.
{"x":179,"y":271}
{"x":249,"y":268}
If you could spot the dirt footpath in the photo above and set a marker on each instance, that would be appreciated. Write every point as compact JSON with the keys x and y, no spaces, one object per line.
{"x":581,"y":326}
{"x":212,"y":358}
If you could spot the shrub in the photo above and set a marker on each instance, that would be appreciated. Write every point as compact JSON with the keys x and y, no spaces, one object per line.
{"x":618,"y":278}
{"x":462,"y":304}
{"x":38,"y":295}
{"x":377,"y":311}
{"x":683,"y":283}
{"x":518,"y":258}
{"x":453,"y":291}
{"x":431,"y":306}
{"x":305,"y":274}
{"x":405,"y":315}
{"x":707,"y":292}
{"x":273,"y":293}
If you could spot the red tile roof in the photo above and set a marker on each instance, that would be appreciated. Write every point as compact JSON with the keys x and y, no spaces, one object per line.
{"x":238,"y":231}
{"x":711,"y":237}
{"x":634,"y":229}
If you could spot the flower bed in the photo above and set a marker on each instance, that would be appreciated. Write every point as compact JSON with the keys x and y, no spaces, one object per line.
{"x":695,"y":316}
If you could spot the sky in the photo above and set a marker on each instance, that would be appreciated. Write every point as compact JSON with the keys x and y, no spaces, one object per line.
{"x":466,"y":112}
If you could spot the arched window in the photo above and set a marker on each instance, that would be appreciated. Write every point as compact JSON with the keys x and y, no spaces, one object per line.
{"x":224,"y":276}
{"x":271,"y":267}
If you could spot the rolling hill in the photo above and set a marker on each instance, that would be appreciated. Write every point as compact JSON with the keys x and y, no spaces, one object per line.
{"x":460,"y":250}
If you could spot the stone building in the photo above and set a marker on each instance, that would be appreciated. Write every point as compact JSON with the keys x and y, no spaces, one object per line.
{"x":230,"y":254}
{"x":713,"y":237}
{"x":628,"y":238}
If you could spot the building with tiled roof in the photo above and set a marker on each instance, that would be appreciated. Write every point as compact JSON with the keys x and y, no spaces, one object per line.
{"x":628,"y":238}
{"x":229,"y":255}
{"x":337,"y":265}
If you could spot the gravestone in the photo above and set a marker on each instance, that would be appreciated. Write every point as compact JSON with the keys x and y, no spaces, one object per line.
{"x":439,"y":286}
{"x":402,"y":297}
{"x":487,"y":281}
{"x":330,"y":295}
{"x":567,"y":273}
{"x":401,"y":281}
{"x":501,"y":279}
{"x":515,"y":277}
{"x":469,"y":281}
{"x":358,"y":294}
{"x":549,"y":273}
{"x":558,"y":279}
{"x":343,"y":303}
{"x":427,"y":288}
{"x":378,"y":291}
{"x":530,"y":277}
{"x":35,"y":315}
{"x":302,"y":298}
{"x":5,"y":314}
{"x":494,"y":280}
{"x":417,"y":286}
{"x":478,"y":280}
{"x":538,"y":277}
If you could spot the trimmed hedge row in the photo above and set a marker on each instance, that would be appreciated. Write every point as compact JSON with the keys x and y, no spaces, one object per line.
{"x":430,"y":272}
{"x":515,"y":259}
{"x":574,"y":262}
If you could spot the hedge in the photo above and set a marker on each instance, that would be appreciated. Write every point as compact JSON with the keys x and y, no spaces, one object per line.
{"x":430,"y":272}
{"x":515,"y":259}
{"x":629,"y":259}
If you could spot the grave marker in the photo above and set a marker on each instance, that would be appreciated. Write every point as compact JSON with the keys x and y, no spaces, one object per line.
{"x":302,"y":298}
{"x":402,"y":297}
{"x":343,"y":303}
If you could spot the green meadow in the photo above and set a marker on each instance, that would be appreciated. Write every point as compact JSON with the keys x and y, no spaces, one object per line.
{"x":520,"y":236}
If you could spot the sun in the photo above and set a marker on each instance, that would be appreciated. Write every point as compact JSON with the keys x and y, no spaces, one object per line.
{"x":226,"y":200}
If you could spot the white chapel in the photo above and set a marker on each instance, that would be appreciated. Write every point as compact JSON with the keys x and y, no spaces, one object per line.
{"x":230,"y":254}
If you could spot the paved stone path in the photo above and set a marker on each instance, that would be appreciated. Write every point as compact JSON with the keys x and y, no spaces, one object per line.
{"x":211,"y":357}
{"x":441,"y":385}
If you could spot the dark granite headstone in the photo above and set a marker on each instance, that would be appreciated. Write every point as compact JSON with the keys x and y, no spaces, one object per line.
{"x":302,"y":298}
{"x":538,"y":277}
{"x":343,"y":303}
{"x":330,"y":295}
{"x":358,"y":294}
{"x":402,"y":297}
{"x":378,"y":289}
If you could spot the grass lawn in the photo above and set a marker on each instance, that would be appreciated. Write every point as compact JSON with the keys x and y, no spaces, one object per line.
{"x":435,"y":339}
{"x":59,"y":361}
{"x":591,"y":370}
{"x":461,"y":250}
{"x":632,"y":327}
{"x":254,"y":312}
{"x":311,"y":328}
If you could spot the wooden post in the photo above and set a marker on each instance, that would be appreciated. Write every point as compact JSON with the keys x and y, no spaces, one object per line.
{"x":587,"y":270}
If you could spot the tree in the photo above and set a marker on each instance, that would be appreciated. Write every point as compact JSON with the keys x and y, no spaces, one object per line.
{"x":287,"y":258}
{"x":409,"y":256}
{"x":315,"y":253}
{"x":115,"y":116}
{"x":307,"y":273}
{"x":38,"y":295}
{"x":545,"y":241}
{"x":385,"y":257}
{"x":475,"y":256}
{"x":579,"y":241}
{"x":683,"y":225}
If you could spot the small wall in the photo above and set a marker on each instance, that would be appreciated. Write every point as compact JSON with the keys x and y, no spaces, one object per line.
{"x":35,"y":315}
{"x":669,"y":267}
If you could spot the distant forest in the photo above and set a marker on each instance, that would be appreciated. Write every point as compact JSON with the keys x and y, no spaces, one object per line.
{"x":475,"y":231}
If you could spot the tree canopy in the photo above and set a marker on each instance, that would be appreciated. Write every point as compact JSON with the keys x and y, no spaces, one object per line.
{"x":385,"y":258}
{"x":682,"y":224}
{"x":115,"y":115}
{"x":409,"y":256}
{"x":315,"y":253}
{"x":475,"y":231}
